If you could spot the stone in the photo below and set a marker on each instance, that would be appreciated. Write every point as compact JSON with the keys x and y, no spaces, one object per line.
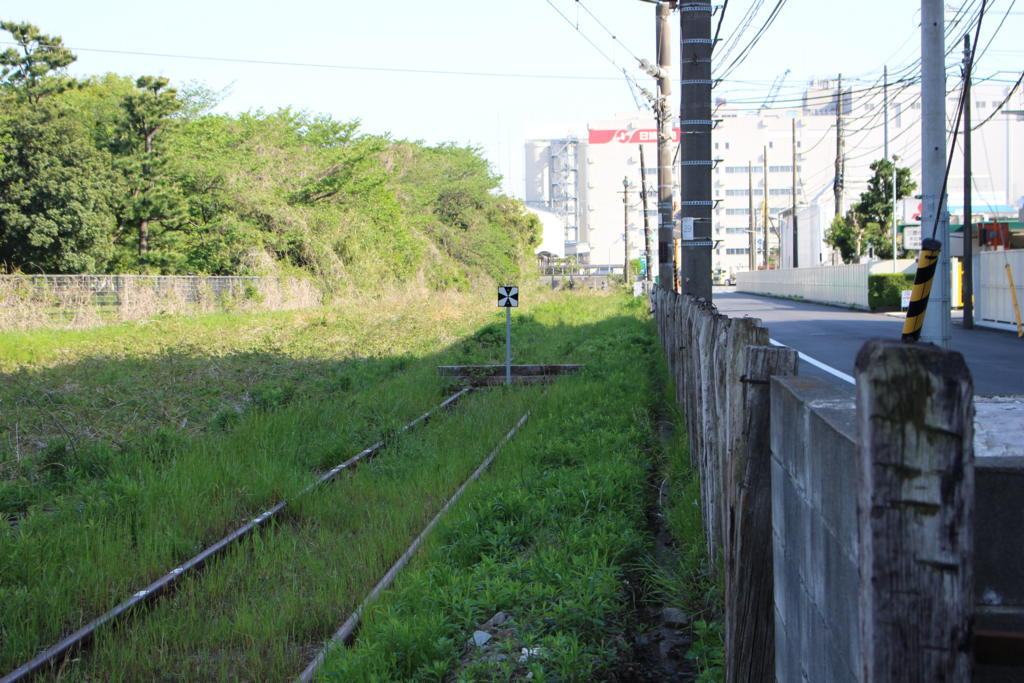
{"x":480,"y":638}
{"x":672,"y":616}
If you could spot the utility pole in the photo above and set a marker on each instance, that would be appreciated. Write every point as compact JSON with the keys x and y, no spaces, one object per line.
{"x":937,"y":327}
{"x":764,"y":207}
{"x":625,"y":230}
{"x":968,"y":234}
{"x":648,"y":275}
{"x":885,"y":153}
{"x":752,"y":228}
{"x":837,"y":185}
{"x":796,"y":241}
{"x":695,"y":128}
{"x":665,"y":138}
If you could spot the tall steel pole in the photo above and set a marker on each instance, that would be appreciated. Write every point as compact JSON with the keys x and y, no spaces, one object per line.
{"x":885,"y":154}
{"x":695,"y":128}
{"x":796,"y":241}
{"x":764,"y":208}
{"x":649,"y":271}
{"x":837,"y":184}
{"x":663,"y":113}
{"x":625,"y":230}
{"x":937,"y":327}
{"x":968,"y":233}
{"x":752,"y":230}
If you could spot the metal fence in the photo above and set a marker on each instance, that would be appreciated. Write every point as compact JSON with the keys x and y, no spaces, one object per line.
{"x":89,"y":300}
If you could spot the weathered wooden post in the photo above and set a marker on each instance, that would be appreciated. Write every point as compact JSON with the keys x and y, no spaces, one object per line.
{"x":749,"y":615}
{"x":916,"y":502}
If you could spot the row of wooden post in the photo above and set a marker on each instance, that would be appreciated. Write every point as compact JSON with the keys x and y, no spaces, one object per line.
{"x":721,"y":368}
{"x":914,"y":410}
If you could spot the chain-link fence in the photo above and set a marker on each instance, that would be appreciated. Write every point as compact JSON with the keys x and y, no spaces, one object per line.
{"x":88,"y":300}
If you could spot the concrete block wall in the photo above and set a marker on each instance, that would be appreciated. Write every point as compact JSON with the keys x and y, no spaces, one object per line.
{"x":814,"y":531}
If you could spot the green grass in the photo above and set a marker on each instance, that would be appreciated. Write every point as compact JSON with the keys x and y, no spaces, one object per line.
{"x":548,"y":536}
{"x":91,"y":520}
{"x":552,"y":534}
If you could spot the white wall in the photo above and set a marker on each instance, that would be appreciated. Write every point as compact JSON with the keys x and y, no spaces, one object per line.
{"x":992,"y":297}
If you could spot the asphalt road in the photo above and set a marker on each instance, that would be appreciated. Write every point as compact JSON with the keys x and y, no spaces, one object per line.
{"x":834,"y":336}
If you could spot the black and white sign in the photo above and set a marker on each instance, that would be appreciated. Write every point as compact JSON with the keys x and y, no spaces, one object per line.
{"x":508,"y":297}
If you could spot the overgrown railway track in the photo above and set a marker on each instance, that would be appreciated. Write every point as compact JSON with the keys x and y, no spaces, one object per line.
{"x":59,"y":653}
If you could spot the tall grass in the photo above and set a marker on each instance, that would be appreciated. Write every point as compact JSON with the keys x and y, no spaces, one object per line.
{"x":548,"y":536}
{"x":119,"y":514}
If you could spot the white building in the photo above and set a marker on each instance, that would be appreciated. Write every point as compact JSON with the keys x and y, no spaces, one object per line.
{"x":579,"y":175}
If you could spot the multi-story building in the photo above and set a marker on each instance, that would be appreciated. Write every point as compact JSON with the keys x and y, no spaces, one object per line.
{"x":580,"y":176}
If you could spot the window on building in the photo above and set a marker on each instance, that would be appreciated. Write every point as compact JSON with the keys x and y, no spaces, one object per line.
{"x":771,"y":145}
{"x":743,"y":169}
{"x":735,"y":251}
{"x":737,"y":212}
{"x":780,"y":169}
{"x":736,"y":231}
{"x":780,"y":190}
{"x":742,"y":193}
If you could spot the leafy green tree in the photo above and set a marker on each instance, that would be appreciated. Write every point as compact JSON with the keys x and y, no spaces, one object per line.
{"x":869,"y":220}
{"x":33,"y":68}
{"x":841,"y":236}
{"x":56,"y":195}
{"x":56,"y":187}
{"x":153,"y":195}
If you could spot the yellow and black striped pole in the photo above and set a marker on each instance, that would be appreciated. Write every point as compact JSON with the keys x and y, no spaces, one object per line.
{"x":926,"y":263}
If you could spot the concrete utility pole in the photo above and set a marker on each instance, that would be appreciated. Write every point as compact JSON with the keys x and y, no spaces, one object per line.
{"x":764,"y":207}
{"x":796,"y":241}
{"x":663,"y":112}
{"x":625,"y":230}
{"x":695,"y":127}
{"x":968,"y":234}
{"x":937,"y":327}
{"x":837,"y":185}
{"x":752,"y":229}
{"x":885,"y":153}
{"x":648,"y":274}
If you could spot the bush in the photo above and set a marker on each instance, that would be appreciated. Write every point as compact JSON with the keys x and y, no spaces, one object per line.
{"x":884,"y":289}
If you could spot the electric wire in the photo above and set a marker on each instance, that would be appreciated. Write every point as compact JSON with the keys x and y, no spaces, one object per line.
{"x":340,"y":67}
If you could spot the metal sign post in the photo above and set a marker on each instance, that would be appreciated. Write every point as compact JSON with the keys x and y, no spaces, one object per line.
{"x":508,"y":298}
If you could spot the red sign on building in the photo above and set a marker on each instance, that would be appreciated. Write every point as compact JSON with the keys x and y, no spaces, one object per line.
{"x":626,"y":136}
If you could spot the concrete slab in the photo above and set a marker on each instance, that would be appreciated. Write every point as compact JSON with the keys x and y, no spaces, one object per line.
{"x":998,"y":426}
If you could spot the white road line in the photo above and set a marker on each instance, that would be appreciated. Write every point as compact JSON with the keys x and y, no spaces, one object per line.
{"x":818,"y":364}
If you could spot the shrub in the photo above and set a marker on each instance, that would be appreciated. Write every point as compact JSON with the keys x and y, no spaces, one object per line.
{"x":884,"y":289}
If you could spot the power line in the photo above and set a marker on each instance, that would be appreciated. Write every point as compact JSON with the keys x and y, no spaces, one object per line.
{"x":1001,"y":104}
{"x":341,"y":67}
{"x":745,"y":52}
{"x":607,"y":30}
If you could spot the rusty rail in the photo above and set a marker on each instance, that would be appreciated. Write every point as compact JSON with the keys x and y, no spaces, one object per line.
{"x":162,"y":585}
{"x":347,"y":632}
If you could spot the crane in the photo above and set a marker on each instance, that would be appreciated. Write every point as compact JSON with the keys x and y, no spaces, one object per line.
{"x":773,"y":92}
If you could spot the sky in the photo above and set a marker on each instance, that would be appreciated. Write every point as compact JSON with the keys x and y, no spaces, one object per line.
{"x":560,"y":61}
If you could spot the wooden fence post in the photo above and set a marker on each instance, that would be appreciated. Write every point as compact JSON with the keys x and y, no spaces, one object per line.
{"x":749,"y":613}
{"x":915,"y":416}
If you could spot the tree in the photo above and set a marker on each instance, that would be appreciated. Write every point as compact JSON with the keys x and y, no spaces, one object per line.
{"x":56,"y":187}
{"x":33,"y":72}
{"x":869,"y":220}
{"x":56,"y":195}
{"x":152,"y":194}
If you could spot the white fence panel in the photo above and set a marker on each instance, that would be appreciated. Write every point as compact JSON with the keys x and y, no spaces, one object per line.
{"x":843,"y":285}
{"x":993,"y":302}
